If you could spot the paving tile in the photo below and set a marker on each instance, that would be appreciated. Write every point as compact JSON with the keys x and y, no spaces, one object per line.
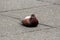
{"x":19,"y":4}
{"x":46,"y":14}
{"x":42,"y":35}
{"x":10,"y":29}
{"x":51,"y":1}
{"x":11,"y":16}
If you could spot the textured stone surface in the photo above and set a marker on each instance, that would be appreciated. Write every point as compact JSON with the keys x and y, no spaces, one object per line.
{"x":13,"y":11}
{"x":19,"y":4}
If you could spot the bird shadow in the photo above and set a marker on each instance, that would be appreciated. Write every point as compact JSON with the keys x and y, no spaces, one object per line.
{"x":47,"y":25}
{"x":33,"y":26}
{"x":28,"y":26}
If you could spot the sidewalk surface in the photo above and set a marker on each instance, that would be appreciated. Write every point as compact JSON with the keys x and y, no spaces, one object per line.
{"x":13,"y":11}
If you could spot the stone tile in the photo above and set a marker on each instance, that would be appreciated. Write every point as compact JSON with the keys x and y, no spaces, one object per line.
{"x":51,"y":1}
{"x":46,"y":14}
{"x":11,"y":16}
{"x":19,"y":4}
{"x":11,"y":29}
{"x":42,"y":35}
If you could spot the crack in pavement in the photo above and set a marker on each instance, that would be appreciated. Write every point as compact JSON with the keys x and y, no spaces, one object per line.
{"x":31,"y":7}
{"x":11,"y":17}
{"x":54,"y":3}
{"x":26,"y":8}
{"x":21,"y":20}
{"x":49,"y":26}
{"x":22,"y":8}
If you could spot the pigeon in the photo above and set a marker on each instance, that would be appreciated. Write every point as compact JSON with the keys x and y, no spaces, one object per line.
{"x":30,"y":21}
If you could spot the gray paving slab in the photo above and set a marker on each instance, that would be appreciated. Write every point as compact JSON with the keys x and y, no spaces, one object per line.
{"x":19,"y":4}
{"x":47,"y":14}
{"x":10,"y":29}
{"x":51,"y":1}
{"x":11,"y":16}
{"x":51,"y":34}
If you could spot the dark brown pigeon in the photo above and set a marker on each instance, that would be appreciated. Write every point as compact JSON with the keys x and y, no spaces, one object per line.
{"x":30,"y":21}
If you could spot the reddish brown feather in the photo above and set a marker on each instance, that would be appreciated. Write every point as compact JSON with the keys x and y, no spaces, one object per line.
{"x":31,"y":21}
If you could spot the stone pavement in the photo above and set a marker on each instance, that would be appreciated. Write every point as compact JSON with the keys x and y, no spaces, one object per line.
{"x":13,"y":11}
